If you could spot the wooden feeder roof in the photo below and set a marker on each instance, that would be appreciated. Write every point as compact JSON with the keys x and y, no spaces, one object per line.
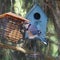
{"x":13,"y":16}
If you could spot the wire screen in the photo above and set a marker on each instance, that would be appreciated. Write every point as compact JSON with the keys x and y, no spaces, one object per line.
{"x":10,"y":29}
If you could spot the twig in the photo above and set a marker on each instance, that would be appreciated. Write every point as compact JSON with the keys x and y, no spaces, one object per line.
{"x":23,"y":50}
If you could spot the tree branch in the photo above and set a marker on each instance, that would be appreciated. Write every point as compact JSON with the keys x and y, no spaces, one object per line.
{"x":23,"y":50}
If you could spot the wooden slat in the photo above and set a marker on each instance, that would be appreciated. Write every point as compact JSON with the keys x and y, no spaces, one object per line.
{"x":14,"y":16}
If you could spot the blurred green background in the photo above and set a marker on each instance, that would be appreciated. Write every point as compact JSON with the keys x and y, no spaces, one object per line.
{"x":52,"y":10}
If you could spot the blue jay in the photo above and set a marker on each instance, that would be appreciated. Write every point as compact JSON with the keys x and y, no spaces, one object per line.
{"x":34,"y":33}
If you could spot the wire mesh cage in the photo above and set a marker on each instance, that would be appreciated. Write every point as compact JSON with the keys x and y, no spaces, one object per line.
{"x":11,"y":26}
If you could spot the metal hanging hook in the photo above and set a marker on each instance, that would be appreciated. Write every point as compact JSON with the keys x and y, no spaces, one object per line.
{"x":11,"y":6}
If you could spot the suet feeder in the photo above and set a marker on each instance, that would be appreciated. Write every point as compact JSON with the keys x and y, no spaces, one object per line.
{"x":37,"y":17}
{"x":11,"y":26}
